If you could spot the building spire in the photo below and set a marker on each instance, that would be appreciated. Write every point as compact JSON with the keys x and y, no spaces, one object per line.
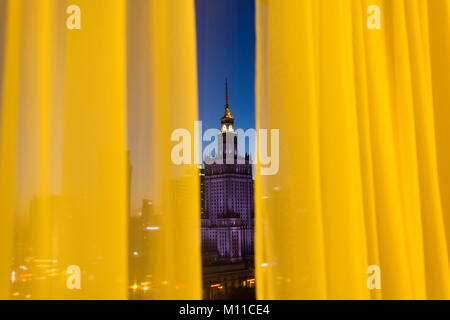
{"x":226,"y":93}
{"x":227,"y":105}
{"x":227,"y":120}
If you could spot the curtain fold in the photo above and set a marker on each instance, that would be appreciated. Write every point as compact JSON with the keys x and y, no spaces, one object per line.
{"x":162,"y":98}
{"x":363,"y":178}
{"x":68,"y":147}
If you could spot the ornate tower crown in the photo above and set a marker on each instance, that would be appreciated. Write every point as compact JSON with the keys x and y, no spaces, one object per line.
{"x":227,"y":121}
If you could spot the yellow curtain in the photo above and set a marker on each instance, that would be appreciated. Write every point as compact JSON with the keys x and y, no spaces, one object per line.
{"x":364,"y":164}
{"x":162,"y":97}
{"x":67,"y":128}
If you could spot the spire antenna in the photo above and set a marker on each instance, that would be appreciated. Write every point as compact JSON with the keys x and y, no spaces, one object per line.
{"x":227,"y":121}
{"x":226,"y":92}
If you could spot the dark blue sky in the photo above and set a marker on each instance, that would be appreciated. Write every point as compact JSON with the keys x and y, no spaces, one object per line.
{"x":226,"y":48}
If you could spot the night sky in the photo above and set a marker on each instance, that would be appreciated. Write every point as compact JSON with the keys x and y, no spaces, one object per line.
{"x":226,"y":48}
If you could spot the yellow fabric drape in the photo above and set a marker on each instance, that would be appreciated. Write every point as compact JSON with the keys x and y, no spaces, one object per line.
{"x":363,"y":119}
{"x":65,"y":140}
{"x":162,"y":97}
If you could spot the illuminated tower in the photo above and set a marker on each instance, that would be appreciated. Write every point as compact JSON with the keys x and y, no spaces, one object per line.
{"x":227,"y":142}
{"x":227,"y":220}
{"x":227,"y":121}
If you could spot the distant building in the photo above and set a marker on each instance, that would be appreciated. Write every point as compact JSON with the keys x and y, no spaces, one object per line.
{"x":227,"y":212}
{"x":145,"y":244}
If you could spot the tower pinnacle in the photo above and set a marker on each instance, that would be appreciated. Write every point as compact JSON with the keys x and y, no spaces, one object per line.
{"x":226,"y":93}
{"x":227,"y":120}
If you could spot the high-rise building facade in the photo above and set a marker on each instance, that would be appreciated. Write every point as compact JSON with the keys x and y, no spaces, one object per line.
{"x":227,"y":220}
